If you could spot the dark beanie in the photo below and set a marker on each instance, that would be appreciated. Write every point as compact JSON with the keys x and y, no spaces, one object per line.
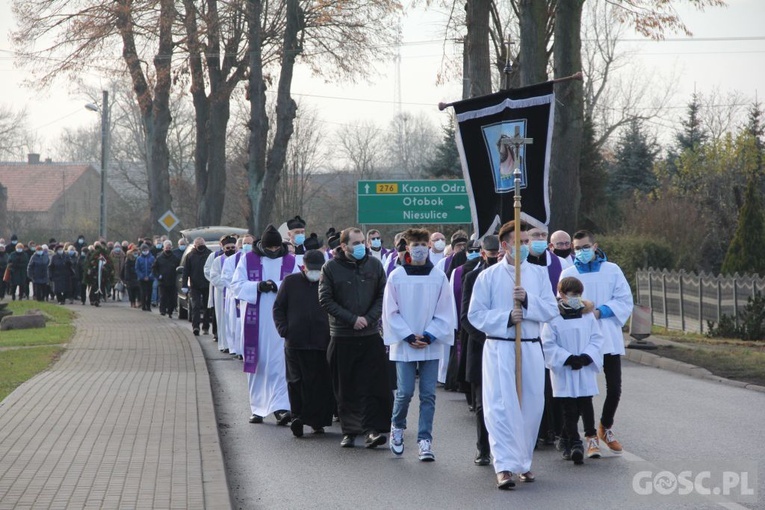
{"x":313,"y":259}
{"x":333,"y":241}
{"x":296,"y":222}
{"x":271,"y":237}
{"x":313,"y":242}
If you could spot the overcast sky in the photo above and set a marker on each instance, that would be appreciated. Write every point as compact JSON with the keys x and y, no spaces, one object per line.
{"x":727,"y":53}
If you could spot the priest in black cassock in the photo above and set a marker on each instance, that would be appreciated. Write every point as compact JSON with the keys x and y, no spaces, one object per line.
{"x":304,"y":325}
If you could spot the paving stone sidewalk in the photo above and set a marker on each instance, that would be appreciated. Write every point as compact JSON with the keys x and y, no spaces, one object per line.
{"x":124,"y":419}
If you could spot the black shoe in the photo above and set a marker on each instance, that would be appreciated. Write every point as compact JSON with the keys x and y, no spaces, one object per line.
{"x":162,"y":314}
{"x":256,"y":419}
{"x":196,"y":331}
{"x":482,"y":459}
{"x":239,"y":356}
{"x":297,"y":427}
{"x":577,"y":452}
{"x":169,"y":315}
{"x":283,"y":418}
{"x":348,"y":441}
{"x":318,"y":430}
{"x":206,"y":331}
{"x":559,"y":443}
{"x":225,"y":351}
{"x":374,"y":439}
{"x":565,"y":446}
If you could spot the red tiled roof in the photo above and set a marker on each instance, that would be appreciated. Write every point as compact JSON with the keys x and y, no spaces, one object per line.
{"x":34,"y":188}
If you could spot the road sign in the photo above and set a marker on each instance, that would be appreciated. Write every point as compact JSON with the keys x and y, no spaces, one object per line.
{"x":168,"y":220}
{"x":412,"y":202}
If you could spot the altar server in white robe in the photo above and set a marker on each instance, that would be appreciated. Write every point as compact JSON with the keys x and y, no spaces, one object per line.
{"x":211,"y":293}
{"x":228,"y":245}
{"x":255,"y":283}
{"x":232,"y":308}
{"x":572,"y":343}
{"x":512,"y":425}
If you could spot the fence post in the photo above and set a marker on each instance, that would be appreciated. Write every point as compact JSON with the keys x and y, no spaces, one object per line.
{"x":682,"y":306}
{"x":701,"y":305}
{"x":719,"y":300}
{"x":650,"y":292}
{"x":735,"y":298}
{"x":664,"y":298}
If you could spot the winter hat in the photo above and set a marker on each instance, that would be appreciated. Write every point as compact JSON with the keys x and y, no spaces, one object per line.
{"x":271,"y":237}
{"x":313,"y":242}
{"x":313,"y":259}
{"x":296,"y":222}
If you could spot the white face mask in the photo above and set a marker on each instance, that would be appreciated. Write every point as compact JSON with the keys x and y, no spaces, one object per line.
{"x":418,"y":253}
{"x":313,"y":275}
{"x":439,"y":245}
{"x":574,"y":302}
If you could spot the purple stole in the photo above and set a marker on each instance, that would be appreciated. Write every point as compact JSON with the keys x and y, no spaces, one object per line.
{"x":391,"y":265}
{"x":554,"y":270}
{"x":448,"y":264}
{"x":252,"y":313}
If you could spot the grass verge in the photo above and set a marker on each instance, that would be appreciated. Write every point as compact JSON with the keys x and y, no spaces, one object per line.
{"x":730,"y":360}
{"x":27,"y":352}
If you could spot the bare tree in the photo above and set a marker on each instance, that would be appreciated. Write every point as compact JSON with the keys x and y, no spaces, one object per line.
{"x":411,"y":144}
{"x":13,"y":133}
{"x":361,"y":145}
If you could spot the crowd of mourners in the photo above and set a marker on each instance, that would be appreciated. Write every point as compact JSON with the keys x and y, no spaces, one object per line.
{"x":343,"y":329}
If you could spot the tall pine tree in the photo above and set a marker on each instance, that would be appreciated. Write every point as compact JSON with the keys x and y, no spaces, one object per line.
{"x":446,"y":163}
{"x":744,"y":254}
{"x":632,"y":169}
{"x":593,"y":179}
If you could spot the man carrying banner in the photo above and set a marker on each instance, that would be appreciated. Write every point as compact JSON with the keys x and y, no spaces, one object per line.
{"x":512,"y":424}
{"x":255,"y":283}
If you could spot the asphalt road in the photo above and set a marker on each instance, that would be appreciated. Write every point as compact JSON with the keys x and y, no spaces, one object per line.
{"x":666,"y":421}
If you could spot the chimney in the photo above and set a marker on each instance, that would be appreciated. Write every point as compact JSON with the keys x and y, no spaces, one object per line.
{"x":33,"y":159}
{"x":48,"y":161}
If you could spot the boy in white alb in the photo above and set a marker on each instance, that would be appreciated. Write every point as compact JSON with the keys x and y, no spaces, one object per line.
{"x":419,"y":317}
{"x":572,"y":343}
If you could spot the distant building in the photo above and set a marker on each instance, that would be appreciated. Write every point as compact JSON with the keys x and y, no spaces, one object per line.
{"x":46,"y":199}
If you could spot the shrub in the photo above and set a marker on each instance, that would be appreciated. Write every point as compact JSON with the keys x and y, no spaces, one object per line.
{"x":631,"y":253}
{"x":752,"y":324}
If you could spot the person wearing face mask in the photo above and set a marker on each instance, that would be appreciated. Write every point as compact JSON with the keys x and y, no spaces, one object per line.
{"x":3,"y":267}
{"x":437,"y":247}
{"x":215,"y":263}
{"x":143,"y":270}
{"x":374,"y":245}
{"x":37,"y":271}
{"x":457,"y":256}
{"x":18,"y":260}
{"x":255,"y":283}
{"x":59,"y":273}
{"x":130,"y":277}
{"x":489,"y":252}
{"x":606,"y":286}
{"x":351,"y":291}
{"x":75,"y":275}
{"x":572,"y":344}
{"x":304,"y":325}
{"x":512,"y":427}
{"x":118,"y":257}
{"x":193,"y":280}
{"x":418,"y":319}
{"x":560,"y":244}
{"x":233,"y":315}
{"x":163,"y":269}
{"x":296,"y":237}
{"x":180,"y":250}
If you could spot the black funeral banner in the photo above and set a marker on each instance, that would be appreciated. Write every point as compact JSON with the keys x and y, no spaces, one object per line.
{"x":484,"y":125}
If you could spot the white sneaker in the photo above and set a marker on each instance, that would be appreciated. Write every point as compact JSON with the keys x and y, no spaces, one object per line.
{"x":426,"y":453}
{"x":396,"y":440}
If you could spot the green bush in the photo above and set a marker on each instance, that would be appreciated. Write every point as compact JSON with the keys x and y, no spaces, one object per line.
{"x":751,"y":326}
{"x":631,"y":253}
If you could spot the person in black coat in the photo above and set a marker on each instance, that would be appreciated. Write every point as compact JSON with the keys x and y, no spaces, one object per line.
{"x":476,"y":339}
{"x":304,"y":325}
{"x":60,"y":274}
{"x":3,"y":267}
{"x":194,"y":280}
{"x":37,"y":271}
{"x":130,"y":278}
{"x":164,"y":269}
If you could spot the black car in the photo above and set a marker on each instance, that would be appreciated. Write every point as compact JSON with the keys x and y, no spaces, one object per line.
{"x":212,"y":236}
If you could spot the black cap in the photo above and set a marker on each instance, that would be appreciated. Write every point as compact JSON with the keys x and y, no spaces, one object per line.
{"x":333,"y":241}
{"x":271,"y":237}
{"x":490,"y":243}
{"x":313,"y":242}
{"x":296,"y":222}
{"x":227,"y":239}
{"x":313,"y":259}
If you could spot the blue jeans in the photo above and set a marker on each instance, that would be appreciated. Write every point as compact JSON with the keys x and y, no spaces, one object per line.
{"x":155,"y":291}
{"x":405,"y":375}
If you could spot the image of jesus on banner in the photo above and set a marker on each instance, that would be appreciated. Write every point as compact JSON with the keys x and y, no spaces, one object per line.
{"x":503,"y":154}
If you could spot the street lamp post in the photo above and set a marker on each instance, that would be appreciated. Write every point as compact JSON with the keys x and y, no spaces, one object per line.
{"x":104,"y":109}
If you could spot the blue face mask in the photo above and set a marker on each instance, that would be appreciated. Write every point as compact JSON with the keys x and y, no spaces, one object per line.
{"x":584,"y":255}
{"x":524,"y":252}
{"x":538,"y":247}
{"x":246,"y":248}
{"x":473,"y":255}
{"x":299,"y":239}
{"x":359,"y":251}
{"x":376,"y":243}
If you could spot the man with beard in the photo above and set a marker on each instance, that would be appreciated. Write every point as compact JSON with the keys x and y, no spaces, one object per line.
{"x":351,"y":291}
{"x":164,"y":269}
{"x":304,"y":325}
{"x":255,"y":283}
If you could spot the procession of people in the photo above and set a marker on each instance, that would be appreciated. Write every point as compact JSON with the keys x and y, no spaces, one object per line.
{"x":345,"y":330}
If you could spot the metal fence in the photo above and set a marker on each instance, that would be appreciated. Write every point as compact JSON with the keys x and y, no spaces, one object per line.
{"x":686,"y":301}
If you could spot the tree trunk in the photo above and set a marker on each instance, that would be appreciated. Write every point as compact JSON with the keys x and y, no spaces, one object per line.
{"x":533,"y":55}
{"x":211,"y":201}
{"x":565,"y":192}
{"x":477,"y":40}
{"x":286,"y":110}
{"x":258,"y":124}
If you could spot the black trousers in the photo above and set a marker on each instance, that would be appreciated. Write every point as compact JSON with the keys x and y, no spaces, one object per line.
{"x":40,"y":290}
{"x":612,"y":369}
{"x":134,"y":292}
{"x":145,"y":294}
{"x":199,"y":310}
{"x":482,"y":435}
{"x":359,"y":369}
{"x":167,"y":298}
{"x":573,"y":408}
{"x":309,"y":386}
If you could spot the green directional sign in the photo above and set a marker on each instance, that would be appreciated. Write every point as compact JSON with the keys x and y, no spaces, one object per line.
{"x":412,"y":202}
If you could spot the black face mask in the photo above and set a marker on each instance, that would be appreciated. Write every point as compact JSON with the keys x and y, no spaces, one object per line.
{"x":274,"y":254}
{"x":562,"y":253}
{"x":229,"y":251}
{"x":201,"y":248}
{"x":490,"y":261}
